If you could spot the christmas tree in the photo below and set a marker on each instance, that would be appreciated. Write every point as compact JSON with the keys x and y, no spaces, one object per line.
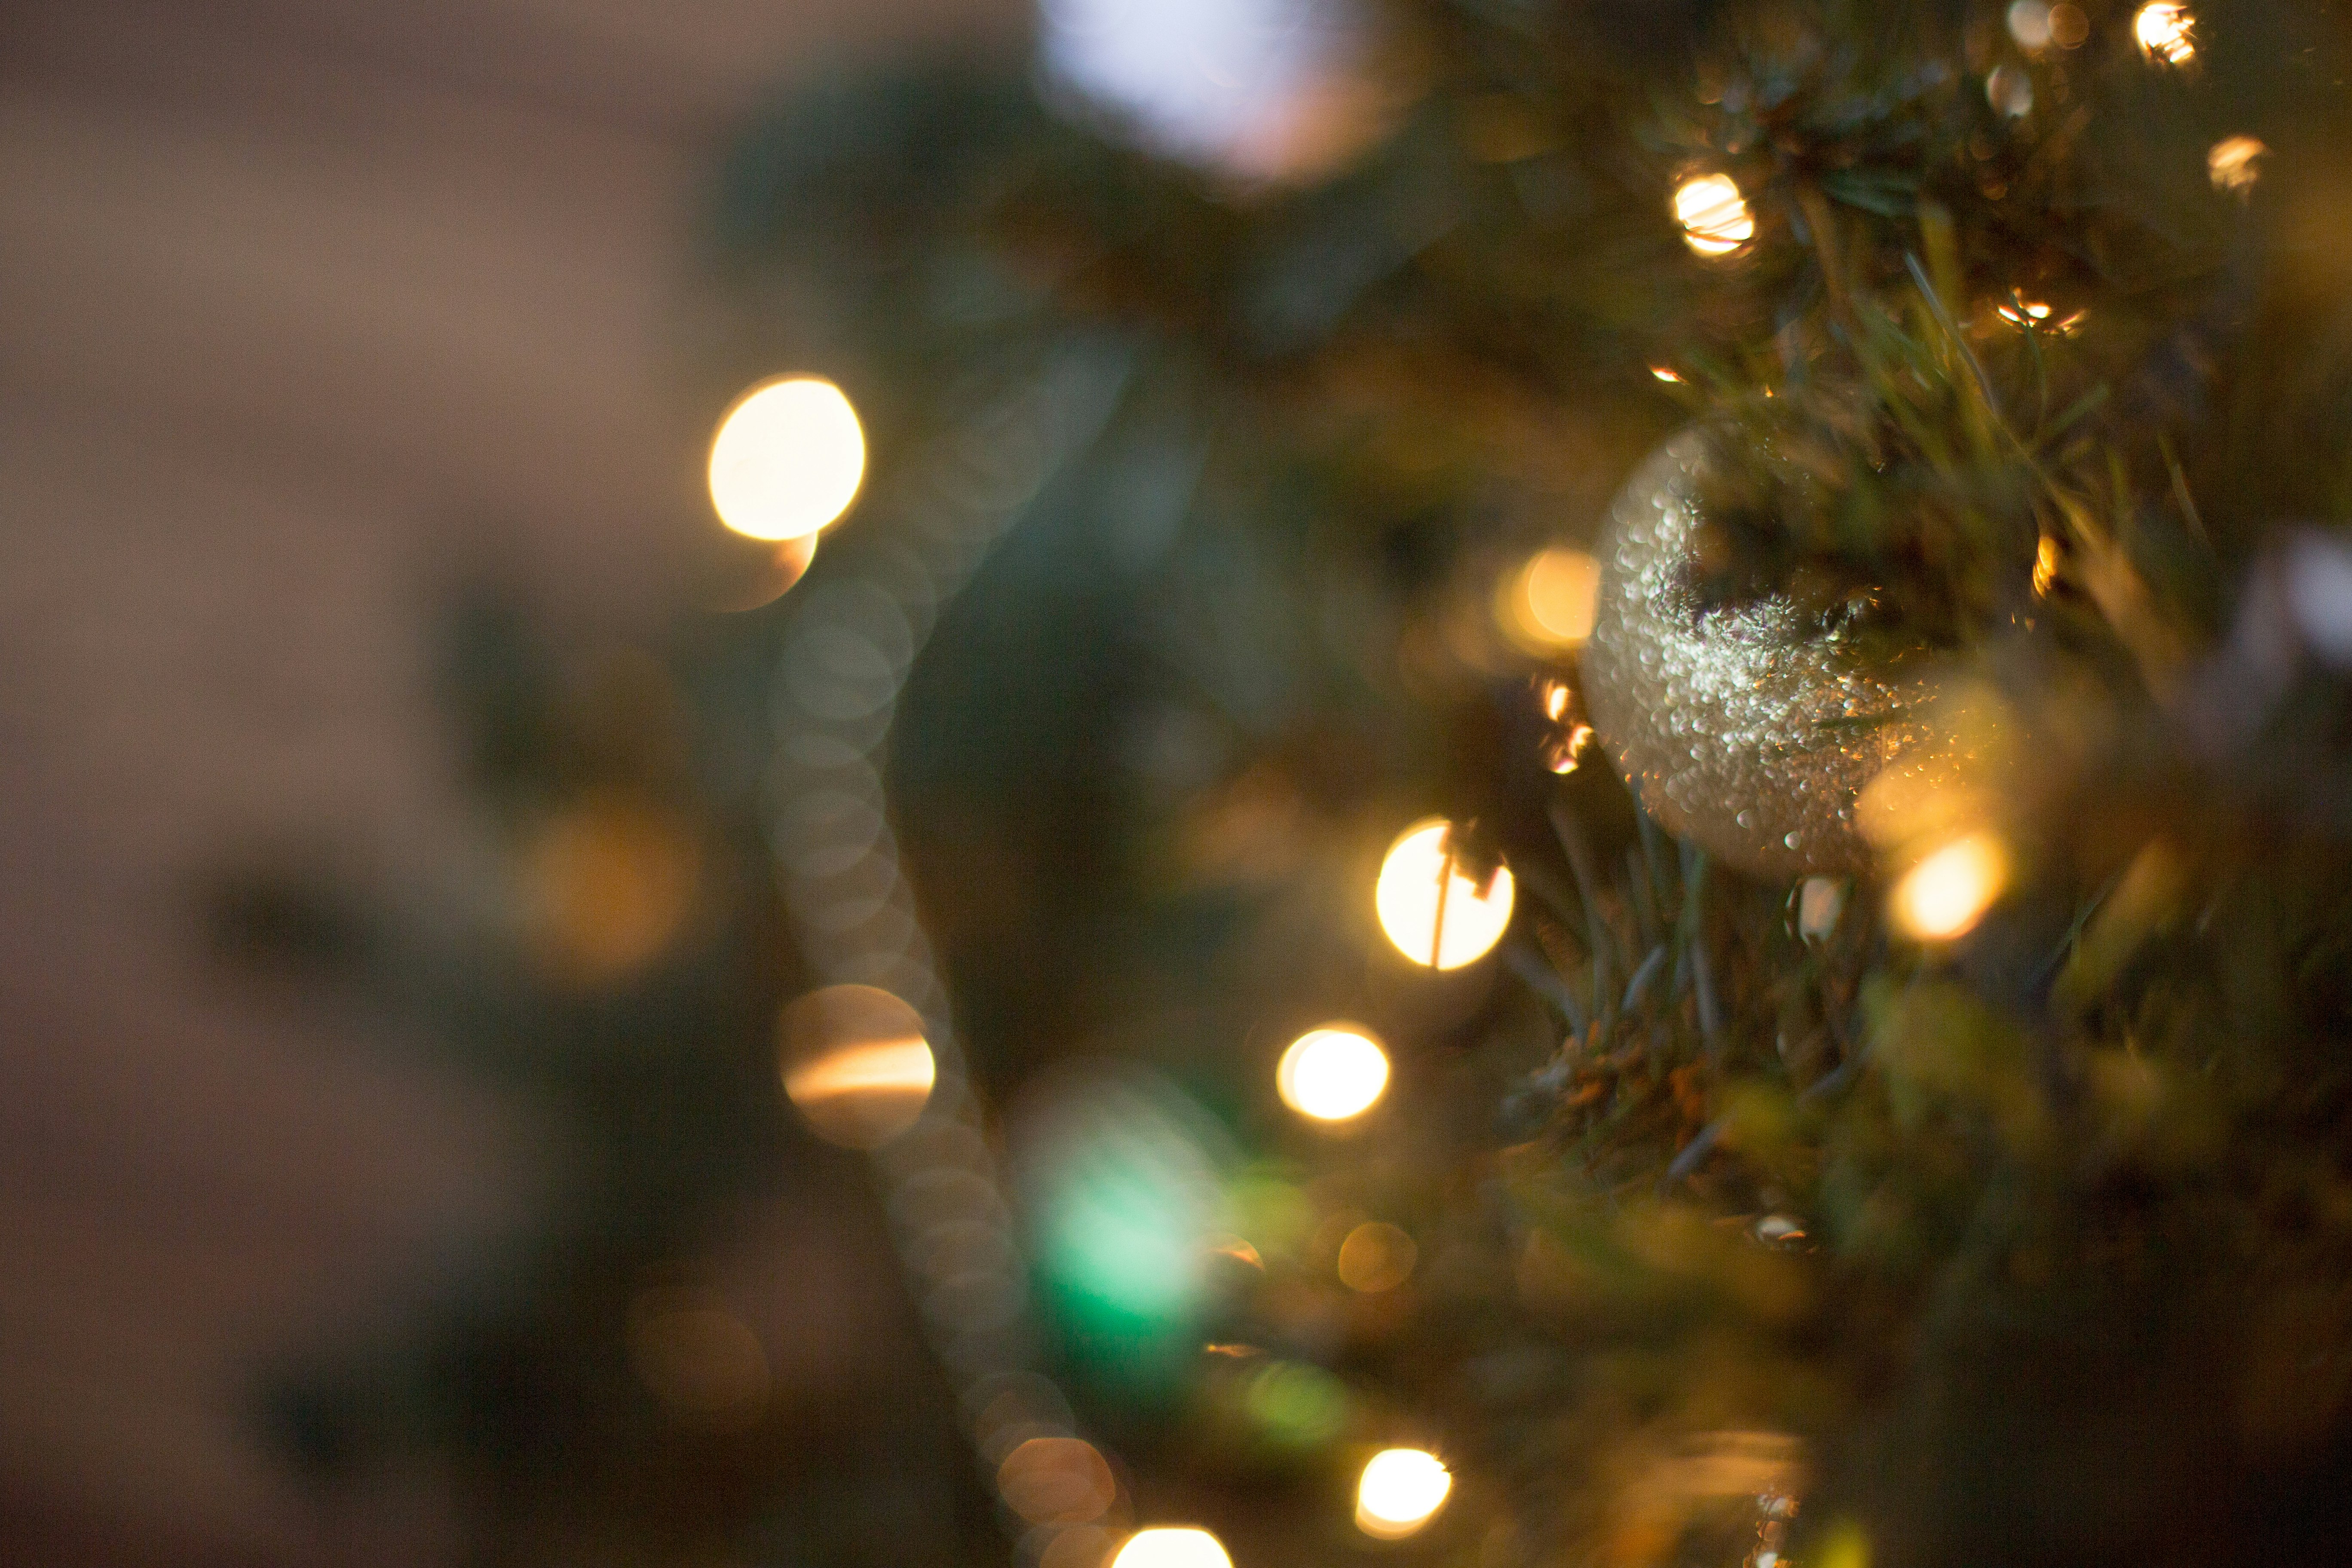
{"x":1575,"y":795}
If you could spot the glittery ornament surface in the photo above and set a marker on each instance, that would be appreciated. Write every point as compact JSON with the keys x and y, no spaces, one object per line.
{"x":1743,"y":726}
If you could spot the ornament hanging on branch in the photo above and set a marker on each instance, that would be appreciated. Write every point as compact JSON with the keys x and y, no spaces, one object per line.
{"x":1746,"y":726}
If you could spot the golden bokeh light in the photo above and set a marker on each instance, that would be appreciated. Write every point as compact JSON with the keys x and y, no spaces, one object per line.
{"x":1333,"y":1073}
{"x":1564,"y":751}
{"x":766,"y":577}
{"x":1428,"y":905}
{"x":1548,"y":604}
{"x":1948,"y":891}
{"x":2045,"y":565}
{"x":2233,"y":162}
{"x":610,"y":882}
{"x":2069,"y":25}
{"x":2028,"y":23}
{"x":1056,"y":1480}
{"x":1181,"y":1546}
{"x":1375,"y":1256}
{"x":1401,"y":1489}
{"x":700,"y":1361}
{"x":787,"y":460}
{"x":2167,"y":32}
{"x":1714,"y":214}
{"x":1081,"y":1546}
{"x":855,"y":1064}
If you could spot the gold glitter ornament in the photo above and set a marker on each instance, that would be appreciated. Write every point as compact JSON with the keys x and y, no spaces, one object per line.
{"x":1743,"y":727}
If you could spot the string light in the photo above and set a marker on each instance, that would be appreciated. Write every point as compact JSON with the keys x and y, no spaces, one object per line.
{"x":856,"y":1066}
{"x":1332,"y":1074}
{"x":1671,"y":377}
{"x":1946,"y":893}
{"x":1431,"y":909}
{"x":787,"y":460}
{"x":2045,"y":565}
{"x":2231,"y":163}
{"x":1714,"y":214}
{"x":1178,"y":1547}
{"x":1401,"y":1489}
{"x":2034,"y":316}
{"x":2166,"y":31}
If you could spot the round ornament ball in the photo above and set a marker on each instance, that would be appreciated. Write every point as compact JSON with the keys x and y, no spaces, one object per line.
{"x":1748,"y":727}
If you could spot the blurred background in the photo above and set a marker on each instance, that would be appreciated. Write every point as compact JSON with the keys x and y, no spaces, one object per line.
{"x":1107,"y":1013}
{"x":309,"y":309}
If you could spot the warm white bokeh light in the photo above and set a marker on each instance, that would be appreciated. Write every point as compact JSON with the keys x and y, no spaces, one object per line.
{"x":1548,"y":604}
{"x":1401,"y":1489}
{"x":1945,"y":894}
{"x":856,"y":1066}
{"x":1431,"y":909}
{"x":2166,"y":32}
{"x":1179,"y":1547}
{"x":788,"y":458}
{"x":1714,"y":214}
{"x":1332,"y":1073}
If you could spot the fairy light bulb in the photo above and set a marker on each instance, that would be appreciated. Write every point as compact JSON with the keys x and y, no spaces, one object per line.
{"x":2167,"y":32}
{"x":1714,"y":214}
{"x":1948,"y":891}
{"x":787,"y":460}
{"x":1401,"y":1490}
{"x":1429,"y":907}
{"x":1332,"y":1073}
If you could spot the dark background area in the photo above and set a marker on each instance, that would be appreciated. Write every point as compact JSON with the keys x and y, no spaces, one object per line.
{"x":303,"y":309}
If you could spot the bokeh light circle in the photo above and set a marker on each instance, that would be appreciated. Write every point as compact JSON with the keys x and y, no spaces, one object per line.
{"x":1429,"y":907}
{"x":1401,"y":1489}
{"x":787,"y":460}
{"x":1173,"y":1547}
{"x":855,"y":1064}
{"x":1332,"y":1073}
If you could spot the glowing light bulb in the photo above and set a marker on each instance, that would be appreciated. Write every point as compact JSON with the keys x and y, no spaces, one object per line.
{"x":1548,"y":604}
{"x":2231,"y":163}
{"x":1714,"y":214}
{"x":1333,"y":1073}
{"x":1401,"y":1489}
{"x":1666,"y":375}
{"x":1945,"y":894}
{"x":787,"y":460}
{"x":1429,"y":906}
{"x":2166,"y":31}
{"x":1166,"y":1547}
{"x":856,"y":1066}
